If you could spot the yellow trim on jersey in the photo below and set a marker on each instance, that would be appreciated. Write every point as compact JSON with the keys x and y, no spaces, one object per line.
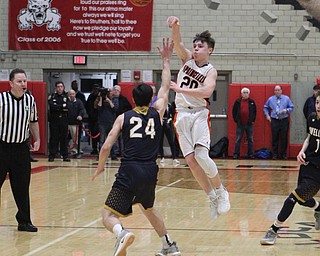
{"x":141,"y":110}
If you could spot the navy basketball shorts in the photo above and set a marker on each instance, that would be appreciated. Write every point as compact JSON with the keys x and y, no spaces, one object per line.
{"x":135,"y":183}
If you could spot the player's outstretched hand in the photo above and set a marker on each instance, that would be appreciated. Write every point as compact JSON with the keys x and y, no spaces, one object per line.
{"x":167,"y":48}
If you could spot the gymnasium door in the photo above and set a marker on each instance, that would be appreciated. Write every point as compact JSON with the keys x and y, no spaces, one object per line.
{"x":219,"y":108}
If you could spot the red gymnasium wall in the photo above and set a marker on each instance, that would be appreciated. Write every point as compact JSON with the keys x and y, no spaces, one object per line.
{"x":38,"y":90}
{"x":262,"y":127}
{"x":126,"y":90}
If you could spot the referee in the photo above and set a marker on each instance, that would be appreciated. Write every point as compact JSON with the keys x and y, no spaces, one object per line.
{"x":18,"y":115}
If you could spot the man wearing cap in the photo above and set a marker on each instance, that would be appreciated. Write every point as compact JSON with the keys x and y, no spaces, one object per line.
{"x":309,"y":105}
{"x":244,"y":114}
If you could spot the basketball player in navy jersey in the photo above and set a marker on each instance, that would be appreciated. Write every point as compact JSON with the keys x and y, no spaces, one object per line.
{"x":137,"y":176}
{"x":308,"y":179}
{"x":196,"y":83}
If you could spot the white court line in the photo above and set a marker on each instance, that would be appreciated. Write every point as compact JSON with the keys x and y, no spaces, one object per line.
{"x":170,"y":185}
{"x":88,"y":225}
{"x":61,"y":238}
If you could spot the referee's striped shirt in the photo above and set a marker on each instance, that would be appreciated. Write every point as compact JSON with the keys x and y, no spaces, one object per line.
{"x":15,"y":116}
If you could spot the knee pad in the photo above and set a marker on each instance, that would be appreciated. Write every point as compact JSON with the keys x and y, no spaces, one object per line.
{"x":311,"y":203}
{"x":287,"y":207}
{"x":201,"y":154}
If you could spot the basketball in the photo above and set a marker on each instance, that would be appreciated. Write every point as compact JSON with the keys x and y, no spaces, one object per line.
{"x":171,"y":20}
{"x":140,"y":3}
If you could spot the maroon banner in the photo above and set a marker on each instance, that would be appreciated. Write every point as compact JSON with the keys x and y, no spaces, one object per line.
{"x":85,"y":25}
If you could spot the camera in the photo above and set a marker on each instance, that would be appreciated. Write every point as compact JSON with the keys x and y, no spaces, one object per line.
{"x":104,"y":92}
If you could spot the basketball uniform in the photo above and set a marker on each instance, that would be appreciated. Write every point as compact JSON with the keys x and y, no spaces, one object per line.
{"x":137,"y":176}
{"x":192,"y":117}
{"x":311,"y":170}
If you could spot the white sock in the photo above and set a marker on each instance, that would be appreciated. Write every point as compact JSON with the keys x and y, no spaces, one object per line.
{"x":117,"y":229}
{"x":212,"y":193}
{"x":316,"y":205}
{"x":277,"y":223}
{"x":166,"y":241}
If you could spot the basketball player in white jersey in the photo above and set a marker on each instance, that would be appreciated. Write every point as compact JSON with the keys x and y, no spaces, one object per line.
{"x":196,"y":82}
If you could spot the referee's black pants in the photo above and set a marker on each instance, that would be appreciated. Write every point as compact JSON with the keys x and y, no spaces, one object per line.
{"x":15,"y":160}
{"x":279,"y":129}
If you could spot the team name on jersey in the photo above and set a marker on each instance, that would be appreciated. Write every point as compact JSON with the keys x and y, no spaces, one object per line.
{"x":194,"y":74}
{"x":314,"y":132}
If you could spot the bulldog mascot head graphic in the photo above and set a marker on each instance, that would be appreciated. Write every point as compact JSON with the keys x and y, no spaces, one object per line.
{"x":39,"y":13}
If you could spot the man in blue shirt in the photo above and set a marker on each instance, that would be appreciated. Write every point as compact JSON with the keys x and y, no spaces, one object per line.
{"x":277,"y":110}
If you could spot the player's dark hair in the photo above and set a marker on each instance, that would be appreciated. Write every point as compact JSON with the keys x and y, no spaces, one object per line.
{"x":16,"y":71}
{"x":317,"y":94}
{"x":142,"y":94}
{"x":205,"y":37}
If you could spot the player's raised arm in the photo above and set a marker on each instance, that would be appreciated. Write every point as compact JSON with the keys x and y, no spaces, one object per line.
{"x":183,"y":53}
{"x":166,"y":53}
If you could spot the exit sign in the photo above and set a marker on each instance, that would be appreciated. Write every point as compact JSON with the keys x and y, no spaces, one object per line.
{"x":79,"y":60}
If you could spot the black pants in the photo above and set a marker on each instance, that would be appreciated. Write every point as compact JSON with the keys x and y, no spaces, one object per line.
{"x":167,"y":130}
{"x":58,"y":137}
{"x":279,"y":129}
{"x":15,"y":160}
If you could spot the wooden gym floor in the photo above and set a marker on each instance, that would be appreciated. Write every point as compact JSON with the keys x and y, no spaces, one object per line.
{"x":66,"y":207}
